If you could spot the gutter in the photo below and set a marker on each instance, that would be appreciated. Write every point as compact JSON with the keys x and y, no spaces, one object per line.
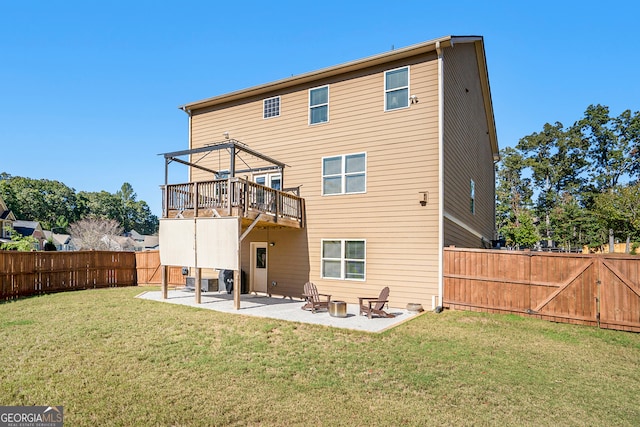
{"x":304,"y":78}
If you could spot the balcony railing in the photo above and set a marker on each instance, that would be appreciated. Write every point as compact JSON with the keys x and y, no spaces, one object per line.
{"x":233,"y":196}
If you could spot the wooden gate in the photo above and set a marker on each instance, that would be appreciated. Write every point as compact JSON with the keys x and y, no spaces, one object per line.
{"x":600,"y":290}
{"x":619,"y":297}
{"x":149,"y":272}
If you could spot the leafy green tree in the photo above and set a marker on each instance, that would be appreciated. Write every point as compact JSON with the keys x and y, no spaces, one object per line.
{"x":578,"y":179}
{"x":135,"y":215}
{"x":614,"y":145}
{"x":521,"y":233}
{"x":513,"y":191}
{"x":101,"y":204}
{"x":567,"y":221}
{"x":619,"y":210}
{"x":61,"y":224}
{"x":55,"y":205}
{"x":19,"y":242}
{"x":556,"y":159}
{"x":39,"y":200}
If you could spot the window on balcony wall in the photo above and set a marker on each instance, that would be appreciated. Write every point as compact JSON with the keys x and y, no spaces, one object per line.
{"x":343,"y":259}
{"x":396,"y":89}
{"x":344,"y":174}
{"x":319,"y":105}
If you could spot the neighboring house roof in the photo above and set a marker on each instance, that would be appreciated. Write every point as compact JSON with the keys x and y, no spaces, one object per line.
{"x":120,"y":243}
{"x":151,"y":242}
{"x":429,"y":46}
{"x":143,"y":242}
{"x":59,"y":239}
{"x":135,"y":235}
{"x":27,"y":228}
{"x":5,"y":213}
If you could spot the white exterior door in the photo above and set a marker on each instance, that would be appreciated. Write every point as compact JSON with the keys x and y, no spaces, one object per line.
{"x":271,"y":180}
{"x":259,"y":264}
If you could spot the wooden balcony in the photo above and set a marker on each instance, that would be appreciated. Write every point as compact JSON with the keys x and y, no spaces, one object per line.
{"x":233,"y":197}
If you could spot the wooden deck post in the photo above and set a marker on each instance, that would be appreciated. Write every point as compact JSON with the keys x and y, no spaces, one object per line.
{"x":196,"y":199}
{"x":198,"y":285}
{"x":165,"y":278}
{"x":237,"y":275}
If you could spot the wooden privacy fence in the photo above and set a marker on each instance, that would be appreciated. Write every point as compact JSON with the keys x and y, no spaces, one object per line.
{"x":593,"y":289}
{"x":34,"y":273}
{"x":149,"y":272}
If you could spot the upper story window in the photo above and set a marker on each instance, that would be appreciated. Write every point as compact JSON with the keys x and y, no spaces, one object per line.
{"x":319,"y":105}
{"x":344,"y":174}
{"x":396,"y":88}
{"x":271,"y":107}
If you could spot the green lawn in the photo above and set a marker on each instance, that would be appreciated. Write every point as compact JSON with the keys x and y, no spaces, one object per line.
{"x":112,"y":359}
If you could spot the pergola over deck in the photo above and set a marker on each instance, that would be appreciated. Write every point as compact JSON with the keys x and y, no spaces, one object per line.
{"x":223,"y":209}
{"x":227,"y":194}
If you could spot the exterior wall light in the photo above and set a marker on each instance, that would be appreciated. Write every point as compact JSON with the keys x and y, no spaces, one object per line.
{"x":423,"y":198}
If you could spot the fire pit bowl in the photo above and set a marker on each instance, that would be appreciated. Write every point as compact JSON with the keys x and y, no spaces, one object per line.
{"x":414,"y":307}
{"x":337,"y":309}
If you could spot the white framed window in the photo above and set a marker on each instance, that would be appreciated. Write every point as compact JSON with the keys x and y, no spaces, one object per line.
{"x":396,"y":89}
{"x":345,"y":174}
{"x":271,"y":107}
{"x":319,"y":105}
{"x":343,"y":259}
{"x":472,"y":196}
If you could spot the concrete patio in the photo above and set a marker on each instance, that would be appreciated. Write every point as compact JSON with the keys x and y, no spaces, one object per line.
{"x":283,"y":308}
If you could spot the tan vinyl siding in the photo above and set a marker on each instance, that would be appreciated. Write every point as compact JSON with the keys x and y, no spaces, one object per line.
{"x":467,"y":151}
{"x":401,"y":160}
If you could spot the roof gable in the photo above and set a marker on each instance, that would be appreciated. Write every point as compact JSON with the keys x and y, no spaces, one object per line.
{"x":5,"y":213}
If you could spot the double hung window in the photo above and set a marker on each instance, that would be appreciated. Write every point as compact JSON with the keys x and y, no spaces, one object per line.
{"x":343,"y":259}
{"x":319,"y":105}
{"x":344,"y":174}
{"x":396,"y":89}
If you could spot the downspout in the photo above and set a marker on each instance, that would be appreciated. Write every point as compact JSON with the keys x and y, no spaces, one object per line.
{"x":184,"y":108}
{"x":439,"y":303}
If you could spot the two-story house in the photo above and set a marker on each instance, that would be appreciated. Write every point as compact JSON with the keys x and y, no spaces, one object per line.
{"x":353,"y":177}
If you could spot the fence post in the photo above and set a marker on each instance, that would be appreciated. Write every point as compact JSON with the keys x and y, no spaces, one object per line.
{"x":598,"y":265}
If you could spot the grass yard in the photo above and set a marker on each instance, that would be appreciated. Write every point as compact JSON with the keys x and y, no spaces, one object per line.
{"x":112,"y":359}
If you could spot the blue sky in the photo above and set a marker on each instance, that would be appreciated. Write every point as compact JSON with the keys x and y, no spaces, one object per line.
{"x":89,"y":90}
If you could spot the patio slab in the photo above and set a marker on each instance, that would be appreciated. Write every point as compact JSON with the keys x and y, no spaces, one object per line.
{"x":283,"y":308}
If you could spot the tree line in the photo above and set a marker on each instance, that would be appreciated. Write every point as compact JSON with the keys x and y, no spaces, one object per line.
{"x":56,"y":206}
{"x":569,"y":186}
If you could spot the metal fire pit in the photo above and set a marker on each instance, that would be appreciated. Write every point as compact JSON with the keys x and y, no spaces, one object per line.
{"x":337,"y":309}
{"x":414,"y":307}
